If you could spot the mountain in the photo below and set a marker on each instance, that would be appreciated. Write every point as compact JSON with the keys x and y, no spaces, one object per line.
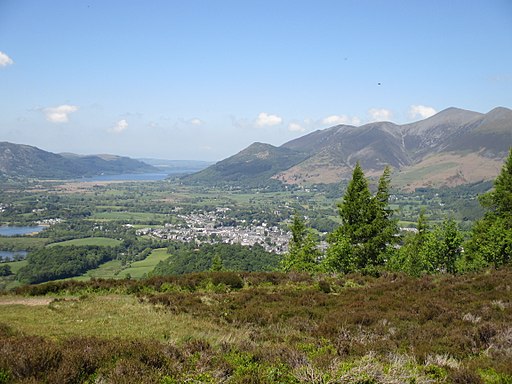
{"x":453,"y":147}
{"x":255,"y":165}
{"x":17,"y":160}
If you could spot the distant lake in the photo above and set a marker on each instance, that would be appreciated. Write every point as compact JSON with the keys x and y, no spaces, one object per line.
{"x":127,"y":177}
{"x":13,"y":231}
{"x":9,"y":255}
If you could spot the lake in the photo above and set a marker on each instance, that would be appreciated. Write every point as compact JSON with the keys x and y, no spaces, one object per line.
{"x":9,"y":255}
{"x":127,"y":177}
{"x":13,"y":231}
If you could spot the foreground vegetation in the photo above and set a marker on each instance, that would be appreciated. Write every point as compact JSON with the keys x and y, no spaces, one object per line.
{"x":228,"y":327}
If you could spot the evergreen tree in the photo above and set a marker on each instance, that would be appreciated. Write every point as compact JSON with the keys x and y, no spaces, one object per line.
{"x":385,"y":228}
{"x":500,"y":199}
{"x":491,"y":239}
{"x":216,"y":264}
{"x":366,"y":228}
{"x":303,"y":254}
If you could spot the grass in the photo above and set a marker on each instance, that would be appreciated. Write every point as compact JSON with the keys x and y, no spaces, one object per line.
{"x":94,"y":241}
{"x":114,"y":269}
{"x":8,"y":282}
{"x":129,"y":216}
{"x":109,"y":270}
{"x":16,"y":265}
{"x":141,"y":268}
{"x":108,"y":316}
{"x":287,"y":328}
{"x":22,"y":243}
{"x":414,"y":174}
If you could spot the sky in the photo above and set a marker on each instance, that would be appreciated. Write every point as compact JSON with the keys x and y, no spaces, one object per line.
{"x":203,"y":79}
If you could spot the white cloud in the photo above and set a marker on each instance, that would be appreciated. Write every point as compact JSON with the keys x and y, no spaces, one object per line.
{"x":59,"y":114}
{"x":421,"y":111}
{"x":266,"y":120}
{"x":5,"y":60}
{"x":120,"y":126}
{"x":380,"y":114}
{"x":196,"y":122}
{"x":341,"y":119}
{"x":294,"y":127}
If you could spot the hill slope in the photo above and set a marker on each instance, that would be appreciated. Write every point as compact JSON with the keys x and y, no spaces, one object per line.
{"x":17,"y":160}
{"x":254,"y":165}
{"x":453,"y":147}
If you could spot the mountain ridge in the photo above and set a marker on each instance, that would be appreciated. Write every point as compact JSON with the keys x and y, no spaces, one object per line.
{"x":21,"y":160}
{"x":436,"y":151}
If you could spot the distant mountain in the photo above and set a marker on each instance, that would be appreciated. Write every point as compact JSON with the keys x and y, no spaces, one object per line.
{"x":453,"y":147}
{"x":17,"y":160}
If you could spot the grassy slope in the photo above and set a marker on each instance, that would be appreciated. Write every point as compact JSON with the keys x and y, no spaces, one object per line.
{"x":98,"y":241}
{"x":110,"y":270}
{"x":9,"y":282}
{"x":140,"y":268}
{"x":115,"y":270}
{"x":392,"y":329}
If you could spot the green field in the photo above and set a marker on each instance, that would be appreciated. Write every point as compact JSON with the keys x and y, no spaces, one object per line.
{"x":404,"y":178}
{"x":109,"y":270}
{"x":21,"y":243}
{"x":98,"y":241}
{"x":8,"y":282}
{"x":115,"y":270}
{"x":129,"y":216}
{"x":16,"y":265}
{"x":141,"y":268}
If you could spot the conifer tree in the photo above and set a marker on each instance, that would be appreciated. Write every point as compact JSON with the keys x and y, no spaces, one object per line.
{"x":303,"y":254}
{"x":385,"y":228}
{"x":491,"y":238}
{"x":216,"y":263}
{"x":366,"y":227}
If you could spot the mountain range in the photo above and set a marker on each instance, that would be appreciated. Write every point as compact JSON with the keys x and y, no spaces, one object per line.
{"x":453,"y":147}
{"x":18,"y":160}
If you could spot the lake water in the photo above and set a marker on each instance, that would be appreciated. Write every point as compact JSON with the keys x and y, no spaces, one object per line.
{"x":128,"y":177}
{"x":13,"y":231}
{"x":9,"y":255}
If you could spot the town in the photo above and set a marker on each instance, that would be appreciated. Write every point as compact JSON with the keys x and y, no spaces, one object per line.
{"x":207,"y":227}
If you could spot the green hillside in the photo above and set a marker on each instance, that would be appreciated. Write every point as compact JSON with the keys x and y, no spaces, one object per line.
{"x":276,"y":328}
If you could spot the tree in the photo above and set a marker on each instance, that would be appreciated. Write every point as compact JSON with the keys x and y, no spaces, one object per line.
{"x":411,"y":258}
{"x":451,"y":243}
{"x":430,"y":251}
{"x":491,"y":238}
{"x":303,"y":254}
{"x":367,"y":229}
{"x":499,"y":201}
{"x":216,"y":263}
{"x":385,"y":228}
{"x":5,"y":270}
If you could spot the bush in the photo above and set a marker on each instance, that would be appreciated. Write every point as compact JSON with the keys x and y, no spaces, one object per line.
{"x":230,"y":279}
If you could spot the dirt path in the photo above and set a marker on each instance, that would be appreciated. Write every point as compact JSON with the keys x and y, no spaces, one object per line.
{"x":30,"y":301}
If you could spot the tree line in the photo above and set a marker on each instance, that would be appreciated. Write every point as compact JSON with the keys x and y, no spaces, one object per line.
{"x":369,"y":240}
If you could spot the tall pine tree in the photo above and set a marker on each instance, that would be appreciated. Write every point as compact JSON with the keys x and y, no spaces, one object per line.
{"x":491,"y":239}
{"x":366,"y":228}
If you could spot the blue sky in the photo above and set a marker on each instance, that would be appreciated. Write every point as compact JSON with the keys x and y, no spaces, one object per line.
{"x":202,"y":79}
